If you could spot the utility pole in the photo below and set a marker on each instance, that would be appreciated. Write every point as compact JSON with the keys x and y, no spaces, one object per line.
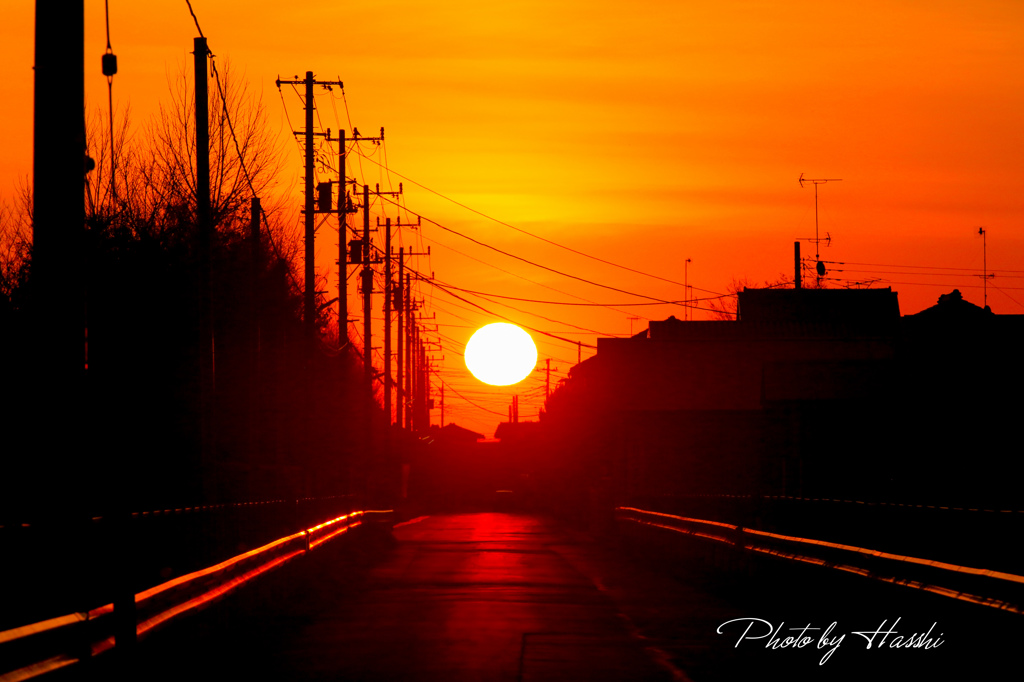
{"x":207,"y":357}
{"x":57,"y":170}
{"x":387,"y":321}
{"x":54,"y":393}
{"x":309,"y":308}
{"x":367,"y":282}
{"x":399,"y":360}
{"x":309,"y":298}
{"x":424,"y":378}
{"x":255,"y":269}
{"x":547,"y":378}
{"x":398,"y":293}
{"x":421,"y":383}
{"x":344,"y":208}
{"x":414,"y":371}
{"x":409,"y":333}
{"x":425,"y":403}
{"x":796,"y":264}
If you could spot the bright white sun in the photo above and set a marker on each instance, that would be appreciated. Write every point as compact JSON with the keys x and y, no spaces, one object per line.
{"x":501,"y":354}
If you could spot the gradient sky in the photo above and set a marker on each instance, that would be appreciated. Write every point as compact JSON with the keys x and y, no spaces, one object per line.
{"x":642,"y":135}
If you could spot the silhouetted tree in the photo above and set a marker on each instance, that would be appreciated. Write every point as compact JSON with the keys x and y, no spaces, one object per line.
{"x":725,"y":308}
{"x":15,"y":252}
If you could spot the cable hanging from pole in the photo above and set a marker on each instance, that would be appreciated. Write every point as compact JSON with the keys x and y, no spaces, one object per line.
{"x":238,"y":150}
{"x":531,"y":234}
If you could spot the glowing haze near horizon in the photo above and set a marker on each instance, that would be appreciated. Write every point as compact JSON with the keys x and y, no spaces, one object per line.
{"x":643,"y":135}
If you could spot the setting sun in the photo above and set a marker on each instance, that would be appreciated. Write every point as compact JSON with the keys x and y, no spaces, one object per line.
{"x":501,"y":354}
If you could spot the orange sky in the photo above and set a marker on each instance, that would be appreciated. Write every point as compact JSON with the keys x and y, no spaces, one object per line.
{"x":643,"y":135}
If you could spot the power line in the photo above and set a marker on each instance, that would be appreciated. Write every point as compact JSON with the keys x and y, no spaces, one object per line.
{"x":238,"y":150}
{"x":570,"y":303}
{"x":926,"y":274}
{"x":480,"y":407}
{"x":525,"y":279}
{"x":524,"y":326}
{"x":916,"y":267}
{"x":924,"y":284}
{"x":535,"y":236}
{"x":1008,"y":296}
{"x":526,"y":312}
{"x":533,"y":263}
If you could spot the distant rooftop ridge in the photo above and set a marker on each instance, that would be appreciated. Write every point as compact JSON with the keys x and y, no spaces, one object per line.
{"x":849,"y":306}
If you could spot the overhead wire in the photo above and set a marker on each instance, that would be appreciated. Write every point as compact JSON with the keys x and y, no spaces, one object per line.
{"x":513,"y":274}
{"x":920,"y":267}
{"x":575,"y":344}
{"x":570,"y":303}
{"x":238,"y":150}
{"x":525,"y":312}
{"x":543,"y":239}
{"x":999,"y":289}
{"x":534,"y":263}
{"x":481,"y":407}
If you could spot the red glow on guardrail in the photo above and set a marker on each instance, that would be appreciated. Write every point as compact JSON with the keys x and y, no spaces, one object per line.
{"x":739,"y":535}
{"x":163,"y":603}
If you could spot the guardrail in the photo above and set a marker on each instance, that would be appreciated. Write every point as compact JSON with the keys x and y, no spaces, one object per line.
{"x":40,"y":648}
{"x":965,"y":583}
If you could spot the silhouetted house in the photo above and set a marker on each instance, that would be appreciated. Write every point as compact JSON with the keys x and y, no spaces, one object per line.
{"x":808,"y":392}
{"x":452,"y":433}
{"x":458,"y":469}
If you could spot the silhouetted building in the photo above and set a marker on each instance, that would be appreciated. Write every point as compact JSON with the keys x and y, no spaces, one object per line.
{"x":807,"y":393}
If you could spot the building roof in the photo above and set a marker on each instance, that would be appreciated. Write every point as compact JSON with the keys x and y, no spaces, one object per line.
{"x":848,"y":306}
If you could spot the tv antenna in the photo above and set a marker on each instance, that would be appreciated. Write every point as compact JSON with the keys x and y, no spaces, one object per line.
{"x":984,"y":263}
{"x":820,"y":267}
{"x":688,"y":314}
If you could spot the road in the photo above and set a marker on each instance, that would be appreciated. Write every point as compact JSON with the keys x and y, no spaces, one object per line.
{"x":510,"y":598}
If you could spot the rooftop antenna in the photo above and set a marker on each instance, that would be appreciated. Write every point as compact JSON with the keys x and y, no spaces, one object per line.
{"x":688,"y":314}
{"x":985,"y":277}
{"x":820,"y":267}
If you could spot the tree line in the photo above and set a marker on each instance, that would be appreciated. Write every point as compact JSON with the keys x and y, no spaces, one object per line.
{"x":278,"y":424}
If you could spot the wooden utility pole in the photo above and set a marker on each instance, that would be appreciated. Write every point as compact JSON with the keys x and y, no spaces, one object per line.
{"x":56,"y":470}
{"x":387,"y":322}
{"x":421,"y":378}
{"x":309,"y":300}
{"x":417,"y":362}
{"x":409,"y":332}
{"x":399,"y":305}
{"x":58,"y":214}
{"x":343,"y":211}
{"x":207,"y":357}
{"x":547,"y":378}
{"x":309,"y":284}
{"x":399,"y":360}
{"x":367,"y":286}
{"x":255,"y":269}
